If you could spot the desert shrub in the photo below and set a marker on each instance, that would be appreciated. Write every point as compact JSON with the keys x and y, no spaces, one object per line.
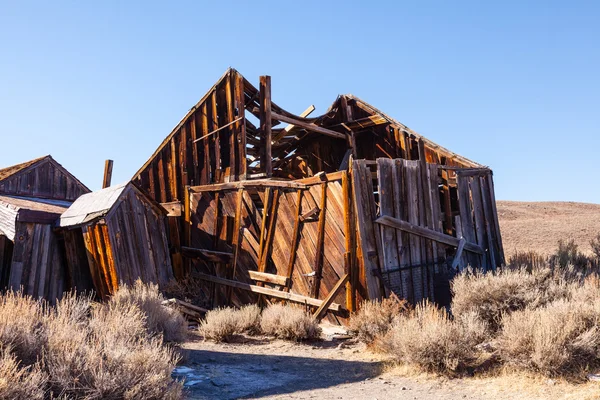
{"x":222,"y":324}
{"x":17,"y":382}
{"x":159,"y":319}
{"x":110,"y":356}
{"x":248,"y":319}
{"x":21,"y":326}
{"x":219,"y":324}
{"x":289,"y":322}
{"x":429,"y":339}
{"x":374,"y":318}
{"x":491,"y":296}
{"x":595,"y":245}
{"x":81,"y":349}
{"x":561,"y":338}
{"x":528,"y":260}
{"x":568,"y":254}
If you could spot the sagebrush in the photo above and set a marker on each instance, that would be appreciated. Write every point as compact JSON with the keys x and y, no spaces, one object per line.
{"x":83,"y":349}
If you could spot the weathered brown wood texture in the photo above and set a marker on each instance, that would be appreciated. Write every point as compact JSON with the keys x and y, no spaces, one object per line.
{"x":308,"y":254}
{"x":295,"y":197}
{"x":37,"y":263}
{"x":42,"y":178}
{"x":411,"y":253}
{"x":125,"y":243}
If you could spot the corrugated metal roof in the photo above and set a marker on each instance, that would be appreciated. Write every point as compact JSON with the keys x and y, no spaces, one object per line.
{"x":91,"y":205}
{"x":9,"y":171}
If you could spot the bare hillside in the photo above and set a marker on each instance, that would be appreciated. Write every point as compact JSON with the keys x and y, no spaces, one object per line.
{"x":539,"y":225}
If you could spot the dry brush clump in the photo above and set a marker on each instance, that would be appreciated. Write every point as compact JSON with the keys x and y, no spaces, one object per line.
{"x":560,"y":338}
{"x":82,"y":349}
{"x":429,"y":339}
{"x":282,"y":321}
{"x":222,"y":324}
{"x":159,"y":319}
{"x":493,"y":295}
{"x":289,"y":322}
{"x":374,"y":318}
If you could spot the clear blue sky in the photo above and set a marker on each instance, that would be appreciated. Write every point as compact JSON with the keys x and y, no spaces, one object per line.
{"x":514,"y":85}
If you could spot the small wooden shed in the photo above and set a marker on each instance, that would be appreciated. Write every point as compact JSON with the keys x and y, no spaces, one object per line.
{"x":33,"y":195}
{"x":115,"y":235}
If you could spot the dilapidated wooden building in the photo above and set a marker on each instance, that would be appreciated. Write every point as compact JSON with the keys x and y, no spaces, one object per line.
{"x":115,"y":235}
{"x":33,"y":195}
{"x":324,"y":211}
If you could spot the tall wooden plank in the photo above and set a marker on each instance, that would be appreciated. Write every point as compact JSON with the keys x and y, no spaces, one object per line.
{"x":479,"y":220}
{"x":240,"y":107}
{"x":233,"y":145}
{"x":492,"y":195}
{"x":320,"y":242}
{"x":295,"y":240}
{"x":402,"y":238}
{"x":350,"y":255}
{"x":366,"y":230}
{"x":488,"y":218}
{"x":266,"y":160}
{"x":466,"y":217}
{"x":388,"y":234}
{"x":412,"y":191}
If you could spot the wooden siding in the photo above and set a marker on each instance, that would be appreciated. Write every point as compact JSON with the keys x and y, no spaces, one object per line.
{"x":38,"y":265}
{"x":183,"y":160}
{"x":130,"y":242}
{"x":265,"y":230}
{"x":44,"y":179}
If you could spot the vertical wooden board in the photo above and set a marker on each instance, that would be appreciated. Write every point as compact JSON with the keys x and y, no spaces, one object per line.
{"x":319,"y":259}
{"x":229,"y":106}
{"x":31,"y":264}
{"x":215,"y":158}
{"x":388,"y":235}
{"x":205,"y":164}
{"x":488,"y":218}
{"x":424,"y":220}
{"x":100,"y":284}
{"x":479,"y":221}
{"x":402,"y":238}
{"x":45,"y":256}
{"x":110,"y":261}
{"x":412,"y":178}
{"x":240,"y":107}
{"x":434,"y":179}
{"x":492,"y":195}
{"x":466,"y":217}
{"x":362,"y":199}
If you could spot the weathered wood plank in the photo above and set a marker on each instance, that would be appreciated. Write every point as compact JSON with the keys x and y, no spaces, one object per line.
{"x":268,"y":278}
{"x":296,"y":298}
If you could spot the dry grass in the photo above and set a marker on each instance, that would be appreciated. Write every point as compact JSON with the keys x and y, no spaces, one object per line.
{"x":492,"y":296}
{"x":374,"y":318}
{"x":289,"y":322}
{"x":159,"y":319}
{"x":222,"y":324}
{"x":559,"y":339}
{"x":17,"y":382}
{"x":429,"y":339}
{"x":82,"y":349}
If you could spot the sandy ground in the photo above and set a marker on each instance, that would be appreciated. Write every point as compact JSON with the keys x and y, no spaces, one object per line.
{"x":539,"y":225}
{"x":259,"y":368}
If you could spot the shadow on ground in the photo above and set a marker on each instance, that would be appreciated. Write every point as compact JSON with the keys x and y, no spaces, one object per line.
{"x":229,"y":375}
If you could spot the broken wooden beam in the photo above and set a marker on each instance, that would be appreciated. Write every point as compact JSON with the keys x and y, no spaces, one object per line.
{"x":309,"y":214}
{"x":268,"y":278}
{"x":266,"y":160}
{"x":248,"y":184}
{"x":308,"y":126}
{"x":329,"y":299}
{"x":296,"y":298}
{"x":206,"y":255}
{"x":427,"y":233}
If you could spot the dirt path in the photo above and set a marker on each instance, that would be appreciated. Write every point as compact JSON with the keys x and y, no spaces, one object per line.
{"x":265,"y":369}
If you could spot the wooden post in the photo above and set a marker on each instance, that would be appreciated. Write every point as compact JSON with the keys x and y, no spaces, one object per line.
{"x":265,"y":124}
{"x":108,"y":167}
